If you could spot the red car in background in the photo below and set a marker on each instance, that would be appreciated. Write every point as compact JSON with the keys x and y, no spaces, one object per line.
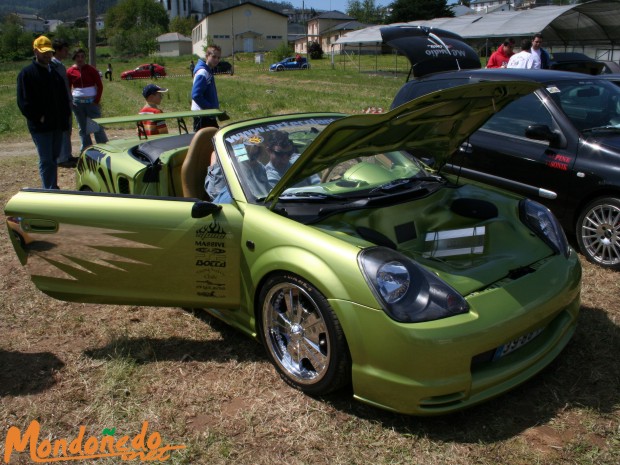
{"x":143,"y":71}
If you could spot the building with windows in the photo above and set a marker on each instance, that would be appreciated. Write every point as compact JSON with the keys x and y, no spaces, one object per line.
{"x":326,"y":28}
{"x":246,"y":27}
{"x":32,"y":23}
{"x":185,"y":8}
{"x":489,"y":6}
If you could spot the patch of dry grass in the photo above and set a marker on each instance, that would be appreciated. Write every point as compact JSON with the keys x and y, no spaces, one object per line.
{"x":201,"y":384}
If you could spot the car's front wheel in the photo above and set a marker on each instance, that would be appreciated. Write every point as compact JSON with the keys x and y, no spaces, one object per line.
{"x":129,"y":77}
{"x":279,"y":68}
{"x":598,"y":232}
{"x":303,"y":336}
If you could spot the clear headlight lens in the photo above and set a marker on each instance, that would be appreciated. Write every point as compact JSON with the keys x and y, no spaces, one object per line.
{"x":393,"y":281}
{"x":546,"y":226}
{"x":407,"y":292}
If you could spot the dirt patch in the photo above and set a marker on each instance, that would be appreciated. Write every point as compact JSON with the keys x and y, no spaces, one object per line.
{"x":25,"y":146}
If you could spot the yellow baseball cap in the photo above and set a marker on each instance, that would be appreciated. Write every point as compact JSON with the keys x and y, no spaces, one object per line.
{"x":42,"y":44}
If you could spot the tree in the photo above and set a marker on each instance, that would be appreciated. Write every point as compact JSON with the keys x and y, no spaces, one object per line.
{"x":132,"y":26}
{"x":282,"y":51}
{"x":182,"y":25}
{"x":365,"y":11}
{"x":75,"y":36}
{"x":354,"y":9}
{"x":415,"y":10}
{"x":15,"y":44}
{"x":315,"y":51}
{"x":135,"y":41}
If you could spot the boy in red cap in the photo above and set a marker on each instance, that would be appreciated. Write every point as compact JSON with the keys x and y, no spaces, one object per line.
{"x":153,"y":95}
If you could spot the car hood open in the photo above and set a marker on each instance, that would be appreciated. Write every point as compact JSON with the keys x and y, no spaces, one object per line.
{"x":431,"y":50}
{"x":433,"y":125}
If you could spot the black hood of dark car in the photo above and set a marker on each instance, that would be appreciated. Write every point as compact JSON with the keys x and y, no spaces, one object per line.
{"x":607,"y":139}
{"x":576,"y":62}
{"x":430,"y":50}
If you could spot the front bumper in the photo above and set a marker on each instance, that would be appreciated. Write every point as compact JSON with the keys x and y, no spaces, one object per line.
{"x":446,"y":365}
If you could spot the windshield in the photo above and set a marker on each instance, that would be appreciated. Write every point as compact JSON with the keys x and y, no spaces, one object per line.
{"x":263,"y":154}
{"x":365,"y":176}
{"x":588,"y":103}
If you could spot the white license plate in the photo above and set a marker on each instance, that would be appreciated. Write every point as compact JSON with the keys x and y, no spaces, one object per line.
{"x":516,"y":344}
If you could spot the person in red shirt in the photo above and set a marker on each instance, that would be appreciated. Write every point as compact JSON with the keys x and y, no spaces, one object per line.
{"x":153,"y":95}
{"x":86,"y":90}
{"x":501,"y":57}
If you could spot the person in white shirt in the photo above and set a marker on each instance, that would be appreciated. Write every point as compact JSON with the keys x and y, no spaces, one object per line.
{"x":523,"y":59}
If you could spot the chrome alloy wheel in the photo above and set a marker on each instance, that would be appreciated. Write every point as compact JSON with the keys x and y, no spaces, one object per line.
{"x":599,"y":233}
{"x":296,"y":333}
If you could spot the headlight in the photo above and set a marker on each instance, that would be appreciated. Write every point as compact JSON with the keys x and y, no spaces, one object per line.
{"x":407,"y":292}
{"x":546,"y":226}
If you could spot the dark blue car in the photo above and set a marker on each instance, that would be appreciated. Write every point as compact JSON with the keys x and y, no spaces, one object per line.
{"x":290,"y":63}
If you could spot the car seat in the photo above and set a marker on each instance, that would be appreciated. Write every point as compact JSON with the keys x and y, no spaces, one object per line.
{"x":194,"y":169}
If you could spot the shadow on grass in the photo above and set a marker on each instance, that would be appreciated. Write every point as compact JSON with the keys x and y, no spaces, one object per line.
{"x":24,"y":373}
{"x":233,"y":345}
{"x":585,"y":375}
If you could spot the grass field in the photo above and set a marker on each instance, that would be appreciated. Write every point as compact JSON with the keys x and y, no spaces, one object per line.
{"x":252,"y":90}
{"x":201,"y":385}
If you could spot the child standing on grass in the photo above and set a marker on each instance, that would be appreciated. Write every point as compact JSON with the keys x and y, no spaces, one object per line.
{"x":153,"y":95}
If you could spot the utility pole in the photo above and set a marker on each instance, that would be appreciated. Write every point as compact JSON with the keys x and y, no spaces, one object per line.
{"x":92,"y":34}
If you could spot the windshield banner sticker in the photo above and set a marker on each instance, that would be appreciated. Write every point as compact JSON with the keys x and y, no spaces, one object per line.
{"x":231,"y":139}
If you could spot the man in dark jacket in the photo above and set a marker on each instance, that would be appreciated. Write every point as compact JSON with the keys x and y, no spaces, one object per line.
{"x":43,"y":99}
{"x":540,"y":55}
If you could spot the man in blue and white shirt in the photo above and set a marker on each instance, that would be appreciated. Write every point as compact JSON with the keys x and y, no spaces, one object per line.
{"x":204,"y":92}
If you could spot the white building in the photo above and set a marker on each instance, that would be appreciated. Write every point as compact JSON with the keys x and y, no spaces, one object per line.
{"x":246,"y":27}
{"x":32,"y":23}
{"x":173,"y":44}
{"x":185,"y":8}
{"x":486,"y":6}
{"x":52,"y":24}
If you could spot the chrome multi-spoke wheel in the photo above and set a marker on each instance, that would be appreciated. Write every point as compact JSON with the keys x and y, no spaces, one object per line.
{"x":303,"y":336}
{"x":598,"y":232}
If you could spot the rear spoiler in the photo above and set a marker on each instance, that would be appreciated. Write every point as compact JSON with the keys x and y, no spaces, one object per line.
{"x":139,"y":119}
{"x":430,"y":50}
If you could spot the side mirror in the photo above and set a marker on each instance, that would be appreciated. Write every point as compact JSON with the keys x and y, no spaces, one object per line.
{"x":466,"y":148}
{"x":204,"y":209}
{"x":542,"y":132}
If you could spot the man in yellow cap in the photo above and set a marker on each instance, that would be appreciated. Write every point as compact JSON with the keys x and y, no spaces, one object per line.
{"x":43,"y":99}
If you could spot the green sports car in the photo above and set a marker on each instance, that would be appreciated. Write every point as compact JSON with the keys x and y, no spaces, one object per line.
{"x":330,"y":242}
